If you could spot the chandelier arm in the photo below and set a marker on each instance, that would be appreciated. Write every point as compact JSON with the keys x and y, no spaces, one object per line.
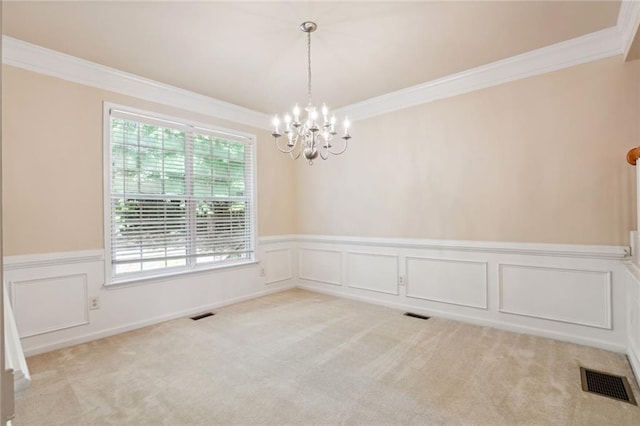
{"x":285,"y":151}
{"x":295,"y":157}
{"x":324,"y":153}
{"x":346,"y":142}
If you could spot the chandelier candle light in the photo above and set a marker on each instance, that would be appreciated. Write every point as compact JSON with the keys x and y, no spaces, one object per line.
{"x":309,"y":137}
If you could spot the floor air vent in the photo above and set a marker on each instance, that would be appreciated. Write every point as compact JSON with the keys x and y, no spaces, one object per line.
{"x":205,"y":315}
{"x":412,"y":315}
{"x":605,"y":384}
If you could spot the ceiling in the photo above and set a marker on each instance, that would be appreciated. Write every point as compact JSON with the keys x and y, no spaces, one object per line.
{"x":254,"y":55}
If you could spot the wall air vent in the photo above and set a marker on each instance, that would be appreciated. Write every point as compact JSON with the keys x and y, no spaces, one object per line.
{"x":201,"y":316}
{"x":412,"y":315}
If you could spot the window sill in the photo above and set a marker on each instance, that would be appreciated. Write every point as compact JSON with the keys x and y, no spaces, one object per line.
{"x":132,"y":281}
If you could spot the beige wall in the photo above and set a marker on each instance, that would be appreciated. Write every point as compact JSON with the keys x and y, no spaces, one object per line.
{"x":52,"y":168}
{"x":536,"y":160}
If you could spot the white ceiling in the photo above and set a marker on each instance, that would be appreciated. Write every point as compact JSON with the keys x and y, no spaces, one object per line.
{"x":254,"y":55}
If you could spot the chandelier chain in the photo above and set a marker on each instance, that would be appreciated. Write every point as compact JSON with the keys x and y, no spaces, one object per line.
{"x":309,"y":65}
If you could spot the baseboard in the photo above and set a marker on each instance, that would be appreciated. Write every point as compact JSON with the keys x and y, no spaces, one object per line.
{"x":148,"y":322}
{"x":516,"y":328}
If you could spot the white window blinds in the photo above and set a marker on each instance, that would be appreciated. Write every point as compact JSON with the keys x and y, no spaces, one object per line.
{"x":181,"y":196}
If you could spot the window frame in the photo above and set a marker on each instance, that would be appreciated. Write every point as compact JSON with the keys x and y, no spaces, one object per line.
{"x":110,"y":279}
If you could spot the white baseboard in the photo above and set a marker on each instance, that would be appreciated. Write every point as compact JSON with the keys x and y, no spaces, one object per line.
{"x":83,"y":338}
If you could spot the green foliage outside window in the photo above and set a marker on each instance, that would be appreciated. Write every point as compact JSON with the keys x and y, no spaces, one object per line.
{"x":176,"y":194}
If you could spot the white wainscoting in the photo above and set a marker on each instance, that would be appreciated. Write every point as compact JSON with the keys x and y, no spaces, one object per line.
{"x":374,"y":272}
{"x":633,"y":317}
{"x":67,"y":303}
{"x":50,"y":293}
{"x":278,"y":264}
{"x":573,"y":293}
{"x":321,"y":265}
{"x":579,"y":296}
{"x":459,"y":282}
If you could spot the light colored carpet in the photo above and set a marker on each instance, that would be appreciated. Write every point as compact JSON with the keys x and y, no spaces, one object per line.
{"x":304,"y":358}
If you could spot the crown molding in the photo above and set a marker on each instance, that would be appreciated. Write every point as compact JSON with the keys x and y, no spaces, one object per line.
{"x":45,"y":61}
{"x":591,"y":47}
{"x":628,"y":22}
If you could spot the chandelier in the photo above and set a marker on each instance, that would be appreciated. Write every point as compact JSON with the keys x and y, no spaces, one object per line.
{"x":312,"y":136}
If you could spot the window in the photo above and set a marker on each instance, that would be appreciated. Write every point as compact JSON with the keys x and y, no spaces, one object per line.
{"x":180,"y":196}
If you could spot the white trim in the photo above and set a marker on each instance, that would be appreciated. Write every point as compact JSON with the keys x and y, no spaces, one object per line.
{"x":137,"y":280}
{"x":106,"y":190}
{"x":290,"y":274}
{"x":608,"y":339}
{"x":45,"y":61}
{"x":633,"y":352}
{"x":248,"y":139}
{"x":300,"y":268}
{"x":633,"y":355}
{"x":394,"y":256}
{"x":628,"y":22}
{"x":634,"y":270}
{"x":555,"y":250}
{"x":437,"y":259}
{"x":536,"y":249}
{"x":607,"y":295}
{"x":41,"y":260}
{"x":590,"y":47}
{"x":85,"y":303}
{"x":603,"y":344}
{"x":14,"y":354}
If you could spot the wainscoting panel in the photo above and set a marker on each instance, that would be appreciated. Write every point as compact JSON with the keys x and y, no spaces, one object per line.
{"x":321,"y":265}
{"x":59,"y":303}
{"x":580,"y":297}
{"x":278,"y":265}
{"x":460,"y":282}
{"x":373,"y":272}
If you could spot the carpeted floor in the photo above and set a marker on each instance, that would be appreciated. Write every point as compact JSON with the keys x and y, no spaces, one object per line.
{"x":304,"y":358}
